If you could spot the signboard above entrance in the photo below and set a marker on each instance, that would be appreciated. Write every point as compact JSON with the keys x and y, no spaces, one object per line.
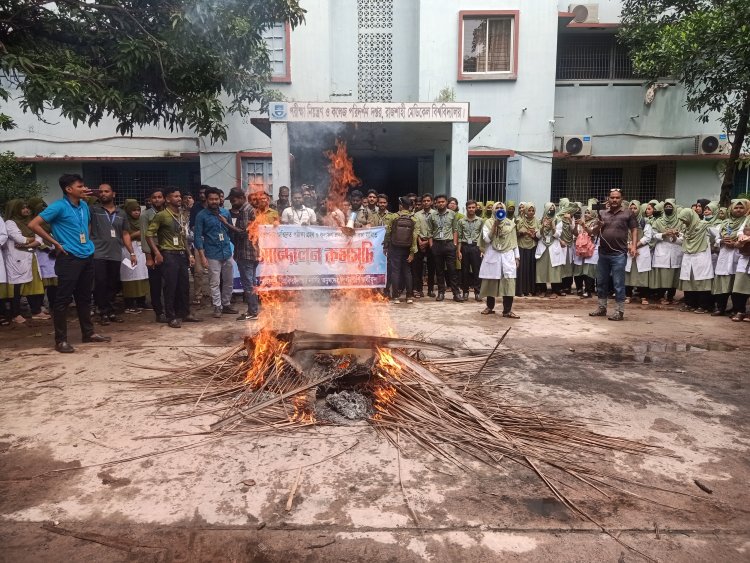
{"x":373,"y":112}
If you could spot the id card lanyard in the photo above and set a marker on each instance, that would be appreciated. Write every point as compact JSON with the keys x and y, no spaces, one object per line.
{"x":79,"y":212}
{"x":111,"y":218}
{"x":180,"y":227}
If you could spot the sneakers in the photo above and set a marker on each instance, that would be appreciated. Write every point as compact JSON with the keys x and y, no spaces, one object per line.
{"x":247,"y":317}
{"x":132,"y":311}
{"x":217,"y":312}
{"x":440,"y":296}
{"x":229,"y":310}
{"x":396,"y":301}
{"x":41,"y":317}
{"x":616,"y":316}
{"x":600,"y":312}
{"x":477,"y":297}
{"x":409,"y":300}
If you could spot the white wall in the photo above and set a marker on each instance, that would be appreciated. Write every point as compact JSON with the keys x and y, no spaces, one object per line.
{"x":696,"y":180}
{"x":47,"y":173}
{"x":609,"y":10}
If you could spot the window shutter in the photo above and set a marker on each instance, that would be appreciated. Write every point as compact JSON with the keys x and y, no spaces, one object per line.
{"x":513,"y":179}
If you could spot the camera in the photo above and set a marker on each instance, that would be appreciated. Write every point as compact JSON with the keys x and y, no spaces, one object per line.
{"x":551,"y":212}
{"x":500,"y":214}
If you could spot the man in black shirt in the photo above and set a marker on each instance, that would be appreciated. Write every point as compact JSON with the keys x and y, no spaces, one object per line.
{"x":615,"y":224}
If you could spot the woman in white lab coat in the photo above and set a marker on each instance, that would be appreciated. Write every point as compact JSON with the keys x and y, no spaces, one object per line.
{"x":637,"y":271}
{"x":550,"y":255}
{"x":697,"y":270}
{"x":499,"y":244}
{"x":725,"y":237}
{"x":134,"y":280}
{"x":21,"y":264}
{"x":6,"y":291}
{"x":667,"y":254}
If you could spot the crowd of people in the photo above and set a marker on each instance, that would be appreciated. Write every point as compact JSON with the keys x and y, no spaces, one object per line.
{"x":181,"y":251}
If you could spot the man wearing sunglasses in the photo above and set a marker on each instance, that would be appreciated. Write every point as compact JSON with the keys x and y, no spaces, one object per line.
{"x":615,"y":224}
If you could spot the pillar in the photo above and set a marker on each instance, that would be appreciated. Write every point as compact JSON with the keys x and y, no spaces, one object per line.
{"x":460,"y":161}
{"x":280,"y":165}
{"x":439,"y":171}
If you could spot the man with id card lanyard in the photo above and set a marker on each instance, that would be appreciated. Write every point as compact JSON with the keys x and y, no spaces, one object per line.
{"x":167,"y":237}
{"x":109,"y":233}
{"x":69,"y":219}
{"x":215,"y":251}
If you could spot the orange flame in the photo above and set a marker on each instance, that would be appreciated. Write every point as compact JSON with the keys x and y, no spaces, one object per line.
{"x":341,"y":171}
{"x":385,"y":393}
{"x":266,"y":354}
{"x":302,"y":411}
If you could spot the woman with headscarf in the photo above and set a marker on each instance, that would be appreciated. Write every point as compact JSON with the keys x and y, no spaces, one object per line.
{"x":21,"y":262}
{"x":510,"y":209}
{"x":667,"y":254}
{"x":46,"y":255}
{"x":527,"y":228}
{"x":637,"y":271}
{"x":647,"y":209}
{"x":500,"y":263}
{"x":521,"y":211}
{"x":723,"y":213}
{"x":567,"y":242}
{"x":588,"y":265}
{"x":741,"y":288}
{"x":550,"y":255}
{"x":5,"y":288}
{"x":700,"y":206}
{"x":728,"y":258}
{"x":488,"y":207}
{"x":134,"y":280}
{"x":697,"y":270}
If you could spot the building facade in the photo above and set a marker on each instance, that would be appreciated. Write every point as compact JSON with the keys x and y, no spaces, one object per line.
{"x":476,"y":98}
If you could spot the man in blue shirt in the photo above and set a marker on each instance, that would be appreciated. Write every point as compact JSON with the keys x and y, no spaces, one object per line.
{"x":215,"y":251}
{"x":69,"y":218}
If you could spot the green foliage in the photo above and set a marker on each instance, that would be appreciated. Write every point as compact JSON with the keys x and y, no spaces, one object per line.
{"x":16,"y":179}
{"x":447,"y":94}
{"x":704,"y":43}
{"x":177,"y":63}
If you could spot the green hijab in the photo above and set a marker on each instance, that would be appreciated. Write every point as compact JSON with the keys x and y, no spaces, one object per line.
{"x":714,"y":220}
{"x":13,"y":213}
{"x":665,"y":222}
{"x":489,"y":204}
{"x":567,"y":231}
{"x":731,"y":226}
{"x":129,"y":206}
{"x":504,"y":238}
{"x":550,"y":230}
{"x":639,"y":210}
{"x":37,"y":205}
{"x":696,"y":231}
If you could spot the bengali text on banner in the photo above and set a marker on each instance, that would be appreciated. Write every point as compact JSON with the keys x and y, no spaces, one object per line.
{"x":304,"y":257}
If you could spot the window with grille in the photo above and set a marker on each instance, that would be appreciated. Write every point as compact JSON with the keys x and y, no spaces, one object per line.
{"x":488,"y":46}
{"x":256,"y":173}
{"x":275,"y":37}
{"x":741,"y":182}
{"x":137,"y":184}
{"x":487,"y":179}
{"x":637,"y":180}
{"x":587,"y":57}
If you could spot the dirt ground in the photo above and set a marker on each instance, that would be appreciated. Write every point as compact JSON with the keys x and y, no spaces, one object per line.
{"x":676,"y":380}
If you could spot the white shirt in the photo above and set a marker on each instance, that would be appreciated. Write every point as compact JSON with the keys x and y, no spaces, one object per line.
{"x":302,"y":216}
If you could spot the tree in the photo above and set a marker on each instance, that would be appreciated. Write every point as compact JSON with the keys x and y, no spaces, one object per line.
{"x":705,"y":45}
{"x":174,"y":63}
{"x":16,"y":180}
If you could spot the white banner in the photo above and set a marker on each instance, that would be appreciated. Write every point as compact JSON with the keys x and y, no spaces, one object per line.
{"x":294,"y":257}
{"x":376,"y":112}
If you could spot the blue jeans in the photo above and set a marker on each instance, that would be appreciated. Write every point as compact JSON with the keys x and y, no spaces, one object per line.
{"x":614,"y":265}
{"x":247,"y":277}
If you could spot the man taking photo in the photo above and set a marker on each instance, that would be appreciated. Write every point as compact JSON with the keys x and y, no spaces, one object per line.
{"x":615,"y":224}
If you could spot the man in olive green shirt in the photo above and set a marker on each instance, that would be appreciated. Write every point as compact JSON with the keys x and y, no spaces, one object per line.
{"x":381,"y":216}
{"x":443,"y":229}
{"x":417,"y":265}
{"x":167,"y":238}
{"x":401,"y":244}
{"x":469,"y":233}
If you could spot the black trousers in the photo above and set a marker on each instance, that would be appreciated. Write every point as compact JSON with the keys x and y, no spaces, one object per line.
{"x":34,"y":301}
{"x":400,"y":271}
{"x":75,"y":278}
{"x":471,"y":260}
{"x":702,"y":299}
{"x":444,"y":253}
{"x":507,"y":303}
{"x":155,"y":283}
{"x":106,"y":283}
{"x":417,"y":270}
{"x":176,"y":276}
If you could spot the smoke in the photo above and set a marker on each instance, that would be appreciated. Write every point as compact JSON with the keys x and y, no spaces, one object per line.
{"x":308,"y":143}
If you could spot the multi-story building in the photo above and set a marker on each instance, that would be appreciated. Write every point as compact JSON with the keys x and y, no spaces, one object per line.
{"x":475,"y":98}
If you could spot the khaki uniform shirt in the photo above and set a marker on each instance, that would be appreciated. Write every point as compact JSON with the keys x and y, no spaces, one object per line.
{"x":422,"y":222}
{"x":470,"y":230}
{"x":442,"y":225}
{"x":169,"y":230}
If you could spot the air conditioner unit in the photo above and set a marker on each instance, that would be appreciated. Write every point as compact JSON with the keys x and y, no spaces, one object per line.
{"x":712,"y":144}
{"x":584,"y":13}
{"x":576,"y":145}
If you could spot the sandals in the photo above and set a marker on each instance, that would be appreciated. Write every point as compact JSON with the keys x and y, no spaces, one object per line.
{"x":738,"y":317}
{"x":511,"y":315}
{"x":487,"y":311}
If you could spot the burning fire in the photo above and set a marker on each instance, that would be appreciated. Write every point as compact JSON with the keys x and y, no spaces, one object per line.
{"x":266,"y":354}
{"x":341,"y":170}
{"x":385,"y":392}
{"x":302,"y":411}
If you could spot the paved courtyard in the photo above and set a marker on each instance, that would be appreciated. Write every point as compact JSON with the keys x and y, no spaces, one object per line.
{"x":675,"y":380}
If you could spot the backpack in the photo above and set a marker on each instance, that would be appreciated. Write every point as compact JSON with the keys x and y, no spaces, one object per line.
{"x":584,"y":245}
{"x":402,"y":231}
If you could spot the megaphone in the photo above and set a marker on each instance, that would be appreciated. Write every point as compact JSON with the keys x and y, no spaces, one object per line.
{"x":500,"y":214}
